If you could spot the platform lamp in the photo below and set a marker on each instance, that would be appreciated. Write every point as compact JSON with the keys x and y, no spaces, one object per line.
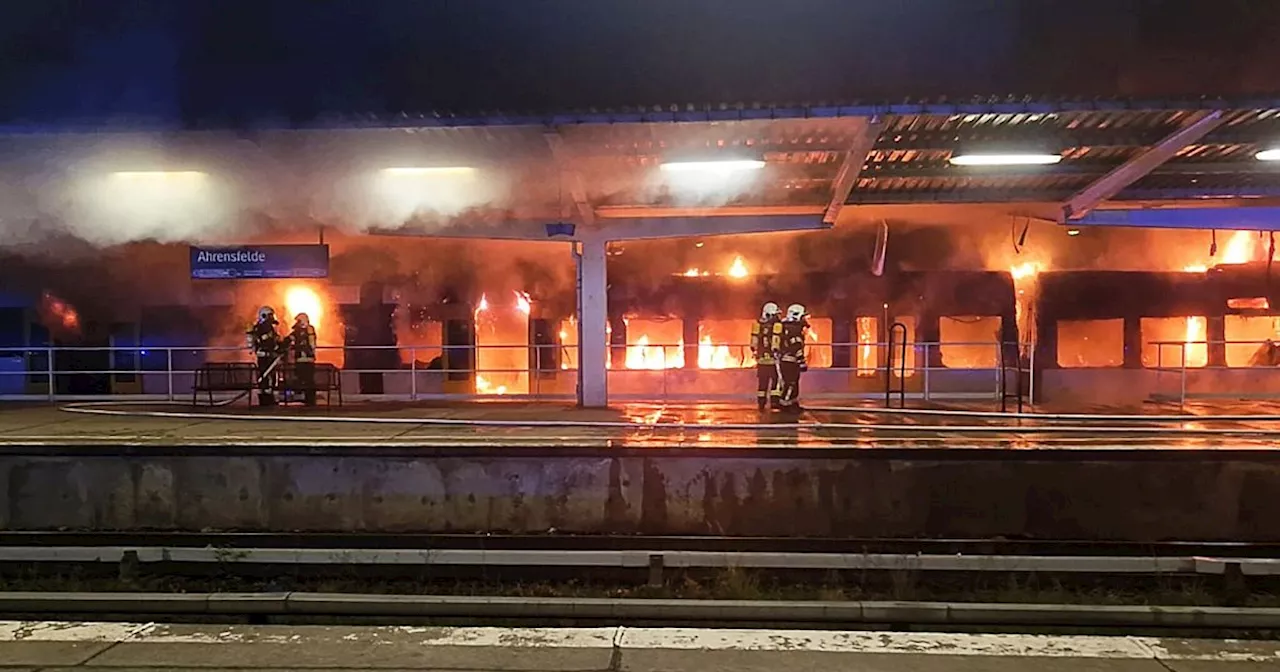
{"x":1270,"y":154}
{"x":710,"y":162}
{"x":1005,"y":153}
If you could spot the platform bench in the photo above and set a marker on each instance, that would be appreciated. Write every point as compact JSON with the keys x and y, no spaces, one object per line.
{"x":224,"y":377}
{"x":328,"y":379}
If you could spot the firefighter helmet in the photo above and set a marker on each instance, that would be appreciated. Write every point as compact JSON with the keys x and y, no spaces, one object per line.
{"x":795,"y":312}
{"x":266,"y":313}
{"x":769,"y":311}
{"x":303,"y":319}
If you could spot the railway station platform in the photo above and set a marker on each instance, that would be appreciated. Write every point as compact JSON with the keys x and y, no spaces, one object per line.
{"x":30,"y":646}
{"x":1133,"y":475}
{"x":1244,"y":426}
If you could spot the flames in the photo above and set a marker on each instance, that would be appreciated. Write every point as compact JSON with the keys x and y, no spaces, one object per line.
{"x":502,"y":345}
{"x":1025,"y":286}
{"x":737,"y":270}
{"x":866,"y":327}
{"x":713,"y":356}
{"x":303,"y":299}
{"x":58,"y":315}
{"x":643,"y":356}
{"x":309,"y":299}
{"x":1241,"y":248}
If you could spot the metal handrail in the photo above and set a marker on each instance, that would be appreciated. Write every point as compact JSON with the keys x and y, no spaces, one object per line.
{"x":45,"y":366}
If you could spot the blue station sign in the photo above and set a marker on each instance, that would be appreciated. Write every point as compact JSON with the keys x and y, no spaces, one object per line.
{"x":260,"y":262}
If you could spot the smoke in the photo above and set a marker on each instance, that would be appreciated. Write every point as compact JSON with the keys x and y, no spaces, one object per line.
{"x":89,"y":221}
{"x":222,"y":188}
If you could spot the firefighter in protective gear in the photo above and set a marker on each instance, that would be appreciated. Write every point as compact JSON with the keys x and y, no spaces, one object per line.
{"x":264,"y":341}
{"x":791,"y":360}
{"x":302,"y":345}
{"x":766,"y":338}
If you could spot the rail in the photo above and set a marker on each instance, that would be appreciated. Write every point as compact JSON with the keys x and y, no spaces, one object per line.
{"x":634,"y":559}
{"x":940,"y":370}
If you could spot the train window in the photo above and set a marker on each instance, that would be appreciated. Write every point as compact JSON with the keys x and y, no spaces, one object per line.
{"x":868,"y":336}
{"x":909,"y":362}
{"x":568,"y":339}
{"x":725,"y":344}
{"x":502,"y":348}
{"x":1172,"y":332}
{"x":818,"y":355}
{"x":1250,"y":303}
{"x":420,"y":340}
{"x":654,"y":344}
{"x":1246,"y":334}
{"x":970,"y":342}
{"x":1090,"y":343}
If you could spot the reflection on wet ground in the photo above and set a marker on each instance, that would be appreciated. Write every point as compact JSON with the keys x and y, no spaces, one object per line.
{"x":638,"y":425}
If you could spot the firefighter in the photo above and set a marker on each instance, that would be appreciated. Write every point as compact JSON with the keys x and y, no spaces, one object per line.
{"x":302,"y":344}
{"x":267,"y":349}
{"x":766,"y":335}
{"x":791,"y":360}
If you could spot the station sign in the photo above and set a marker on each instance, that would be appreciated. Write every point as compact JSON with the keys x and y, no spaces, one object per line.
{"x":260,"y":262}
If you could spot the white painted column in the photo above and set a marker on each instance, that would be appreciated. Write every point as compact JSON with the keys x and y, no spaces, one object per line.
{"x":593,"y":321}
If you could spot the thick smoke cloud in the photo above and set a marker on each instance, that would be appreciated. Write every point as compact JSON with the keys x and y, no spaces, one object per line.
{"x":219,"y":188}
{"x":107,"y":244}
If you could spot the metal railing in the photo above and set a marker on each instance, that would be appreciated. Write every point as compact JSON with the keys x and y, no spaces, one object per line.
{"x":463,"y":371}
{"x":1187,"y":372}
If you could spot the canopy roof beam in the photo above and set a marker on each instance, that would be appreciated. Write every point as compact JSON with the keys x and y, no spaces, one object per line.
{"x":1124,"y":175}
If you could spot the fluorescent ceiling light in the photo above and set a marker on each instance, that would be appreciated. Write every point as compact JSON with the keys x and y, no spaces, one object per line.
{"x":158,"y":175}
{"x":431,"y":171}
{"x":1268,"y":154}
{"x":1005,"y":159}
{"x":712,"y":166}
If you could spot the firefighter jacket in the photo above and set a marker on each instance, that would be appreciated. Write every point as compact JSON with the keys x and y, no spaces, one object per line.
{"x":792,"y":346}
{"x":302,"y":341}
{"x":264,"y":339}
{"x":766,"y":338}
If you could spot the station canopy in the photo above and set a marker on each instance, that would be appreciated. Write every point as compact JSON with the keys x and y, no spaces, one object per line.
{"x":807,"y":166}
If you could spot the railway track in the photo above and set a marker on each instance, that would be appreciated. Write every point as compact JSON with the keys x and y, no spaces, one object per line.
{"x":554,"y":542}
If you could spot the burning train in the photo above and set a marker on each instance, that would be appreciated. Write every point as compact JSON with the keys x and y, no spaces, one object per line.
{"x":1082,"y":335}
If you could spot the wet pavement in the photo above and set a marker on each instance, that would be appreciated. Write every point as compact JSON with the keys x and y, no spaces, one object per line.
{"x":710,"y":425}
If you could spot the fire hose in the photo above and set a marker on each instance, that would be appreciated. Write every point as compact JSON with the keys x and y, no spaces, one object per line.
{"x":256,"y":384}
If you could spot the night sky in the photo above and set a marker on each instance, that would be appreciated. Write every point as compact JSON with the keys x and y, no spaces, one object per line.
{"x":229,"y":62}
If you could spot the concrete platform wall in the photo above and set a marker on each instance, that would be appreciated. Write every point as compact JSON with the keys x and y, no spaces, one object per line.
{"x":969,"y":495}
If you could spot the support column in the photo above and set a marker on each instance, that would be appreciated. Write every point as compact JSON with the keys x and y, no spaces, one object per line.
{"x":593,"y":318}
{"x":1216,"y":334}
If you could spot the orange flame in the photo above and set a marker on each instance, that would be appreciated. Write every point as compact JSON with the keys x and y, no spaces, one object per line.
{"x":712,"y":356}
{"x":1242,"y":247}
{"x":523,"y":304}
{"x":866,"y":339}
{"x":60,"y":312}
{"x":1025,"y":279}
{"x":303,"y":299}
{"x":737,"y":270}
{"x":653,"y":357}
{"x":1025,"y":270}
